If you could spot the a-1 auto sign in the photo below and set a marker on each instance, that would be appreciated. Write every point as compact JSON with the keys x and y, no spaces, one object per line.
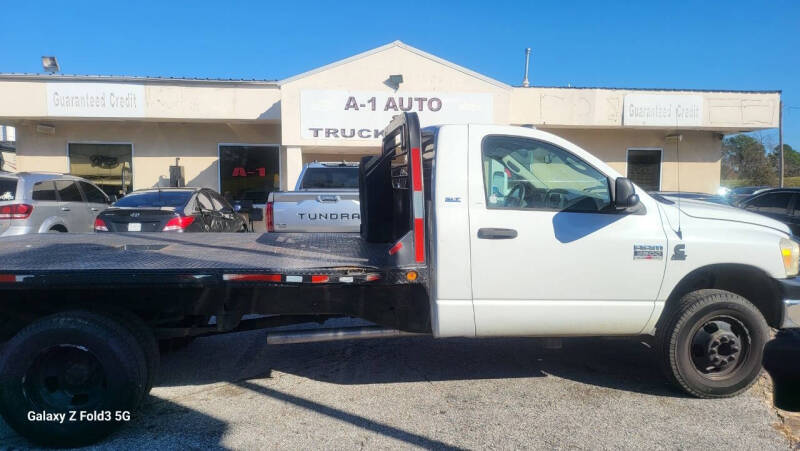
{"x":362,"y":115}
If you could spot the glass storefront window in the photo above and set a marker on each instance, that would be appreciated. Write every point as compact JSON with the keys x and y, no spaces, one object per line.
{"x":107,"y":165}
{"x":248,"y":172}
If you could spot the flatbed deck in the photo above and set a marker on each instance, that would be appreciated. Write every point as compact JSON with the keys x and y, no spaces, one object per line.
{"x":189,"y":253}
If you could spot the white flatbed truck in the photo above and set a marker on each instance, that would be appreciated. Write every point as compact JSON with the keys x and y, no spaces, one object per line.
{"x":466,"y":231}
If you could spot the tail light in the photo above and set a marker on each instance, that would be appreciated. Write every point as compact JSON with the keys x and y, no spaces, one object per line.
{"x":100,"y":225}
{"x":15,"y":211}
{"x":178,"y":223}
{"x":269,"y":218}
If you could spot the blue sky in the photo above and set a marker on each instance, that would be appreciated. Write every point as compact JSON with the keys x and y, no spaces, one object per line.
{"x":690,"y":44}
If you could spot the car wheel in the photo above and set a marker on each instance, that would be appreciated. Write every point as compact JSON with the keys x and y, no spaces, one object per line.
{"x":69,"y":363}
{"x":57,"y":229}
{"x":712,"y":343}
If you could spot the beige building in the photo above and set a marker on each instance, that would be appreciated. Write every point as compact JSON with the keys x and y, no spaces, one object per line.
{"x":246,"y":138}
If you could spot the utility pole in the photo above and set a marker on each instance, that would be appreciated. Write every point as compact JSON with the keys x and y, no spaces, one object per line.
{"x":780,"y":139}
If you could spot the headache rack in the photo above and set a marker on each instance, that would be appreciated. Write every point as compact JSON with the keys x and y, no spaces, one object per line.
{"x":392,"y":192}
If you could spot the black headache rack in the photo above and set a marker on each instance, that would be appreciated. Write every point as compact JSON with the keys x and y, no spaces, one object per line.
{"x":393,"y":193}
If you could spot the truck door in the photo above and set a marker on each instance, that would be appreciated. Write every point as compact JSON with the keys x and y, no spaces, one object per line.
{"x":550,"y":254}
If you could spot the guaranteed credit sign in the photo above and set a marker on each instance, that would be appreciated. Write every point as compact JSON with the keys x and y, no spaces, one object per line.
{"x":95,"y":100}
{"x":362,"y":115}
{"x":662,"y":110}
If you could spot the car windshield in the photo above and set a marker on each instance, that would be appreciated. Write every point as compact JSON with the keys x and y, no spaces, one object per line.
{"x":8,"y":189}
{"x":173,"y":199}
{"x":330,"y":178}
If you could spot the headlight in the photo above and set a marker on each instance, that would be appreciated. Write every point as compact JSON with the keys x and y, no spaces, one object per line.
{"x":790,"y":253}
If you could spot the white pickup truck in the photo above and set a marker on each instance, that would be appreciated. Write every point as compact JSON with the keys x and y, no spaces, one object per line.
{"x":467,"y":231}
{"x":325,"y":199}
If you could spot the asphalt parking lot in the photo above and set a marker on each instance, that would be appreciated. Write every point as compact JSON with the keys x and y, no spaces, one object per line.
{"x":234,"y":391}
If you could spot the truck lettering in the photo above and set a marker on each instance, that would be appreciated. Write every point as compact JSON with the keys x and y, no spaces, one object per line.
{"x":351,"y":104}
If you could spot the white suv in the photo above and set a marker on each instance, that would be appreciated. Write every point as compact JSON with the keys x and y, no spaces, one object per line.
{"x":32,"y":202}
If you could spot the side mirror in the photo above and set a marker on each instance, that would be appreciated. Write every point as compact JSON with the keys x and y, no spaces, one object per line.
{"x":624,"y":194}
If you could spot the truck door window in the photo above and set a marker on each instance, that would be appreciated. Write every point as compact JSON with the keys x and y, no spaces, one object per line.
{"x":531,"y":174}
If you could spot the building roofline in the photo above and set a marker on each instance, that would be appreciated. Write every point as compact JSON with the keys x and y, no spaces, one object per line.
{"x":614,"y":88}
{"x":131,"y":79}
{"x":403,"y":46}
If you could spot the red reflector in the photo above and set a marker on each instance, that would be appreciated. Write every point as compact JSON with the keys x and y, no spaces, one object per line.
{"x":178,"y":223}
{"x":8,"y":278}
{"x":419,"y":240}
{"x":396,"y":248}
{"x":372,"y":277}
{"x":15,"y":211}
{"x":100,"y":225}
{"x":269,"y":218}
{"x":253,"y":277}
{"x":416,"y":168}
{"x":318,"y":278}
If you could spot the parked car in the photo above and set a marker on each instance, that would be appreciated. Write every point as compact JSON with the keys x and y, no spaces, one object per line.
{"x":171,"y":210}
{"x":741,"y":193}
{"x":714,"y":198}
{"x":325,"y":199}
{"x":36,"y":202}
{"x":782,"y":204}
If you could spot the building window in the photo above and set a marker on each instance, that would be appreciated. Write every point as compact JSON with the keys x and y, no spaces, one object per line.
{"x":248,"y":172}
{"x":644,"y":168}
{"x":109,"y":166}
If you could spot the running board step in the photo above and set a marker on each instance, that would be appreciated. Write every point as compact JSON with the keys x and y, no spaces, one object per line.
{"x":333,"y":334}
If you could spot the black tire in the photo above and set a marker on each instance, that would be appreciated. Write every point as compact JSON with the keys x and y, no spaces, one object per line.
{"x":71,"y":361}
{"x":147,"y":341}
{"x":712,"y":343}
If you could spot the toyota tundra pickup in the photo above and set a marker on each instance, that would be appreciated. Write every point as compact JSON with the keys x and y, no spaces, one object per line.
{"x":325,"y":199}
{"x":467,"y":231}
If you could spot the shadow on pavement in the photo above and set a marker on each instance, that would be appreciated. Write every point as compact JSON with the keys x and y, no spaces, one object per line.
{"x":782,"y":361}
{"x":623,"y":364}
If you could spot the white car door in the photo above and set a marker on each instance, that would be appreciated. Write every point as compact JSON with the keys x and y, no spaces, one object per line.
{"x":550,"y":254}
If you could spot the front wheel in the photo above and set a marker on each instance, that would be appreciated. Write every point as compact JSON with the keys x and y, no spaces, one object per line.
{"x":712,"y":343}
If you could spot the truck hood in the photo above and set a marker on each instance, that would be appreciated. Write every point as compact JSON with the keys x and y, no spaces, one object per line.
{"x":709,"y":210}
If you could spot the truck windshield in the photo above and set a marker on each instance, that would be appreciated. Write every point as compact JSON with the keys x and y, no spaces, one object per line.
{"x":155,"y":199}
{"x":330,"y":178}
{"x":8,"y":189}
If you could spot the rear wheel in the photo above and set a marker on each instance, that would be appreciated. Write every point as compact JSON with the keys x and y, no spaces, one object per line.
{"x":712,"y":343}
{"x":147,"y":342}
{"x":84,"y":366}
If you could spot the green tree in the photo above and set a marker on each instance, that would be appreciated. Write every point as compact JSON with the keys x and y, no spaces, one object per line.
{"x":791,"y":160}
{"x":744,"y":158}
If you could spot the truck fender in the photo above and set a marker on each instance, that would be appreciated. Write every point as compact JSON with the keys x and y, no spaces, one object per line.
{"x":750,"y":282}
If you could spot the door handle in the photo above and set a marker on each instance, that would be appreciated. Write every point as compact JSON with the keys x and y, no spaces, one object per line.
{"x":491,"y":233}
{"x":95,"y":209}
{"x":328,"y":198}
{"x":64,"y":208}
